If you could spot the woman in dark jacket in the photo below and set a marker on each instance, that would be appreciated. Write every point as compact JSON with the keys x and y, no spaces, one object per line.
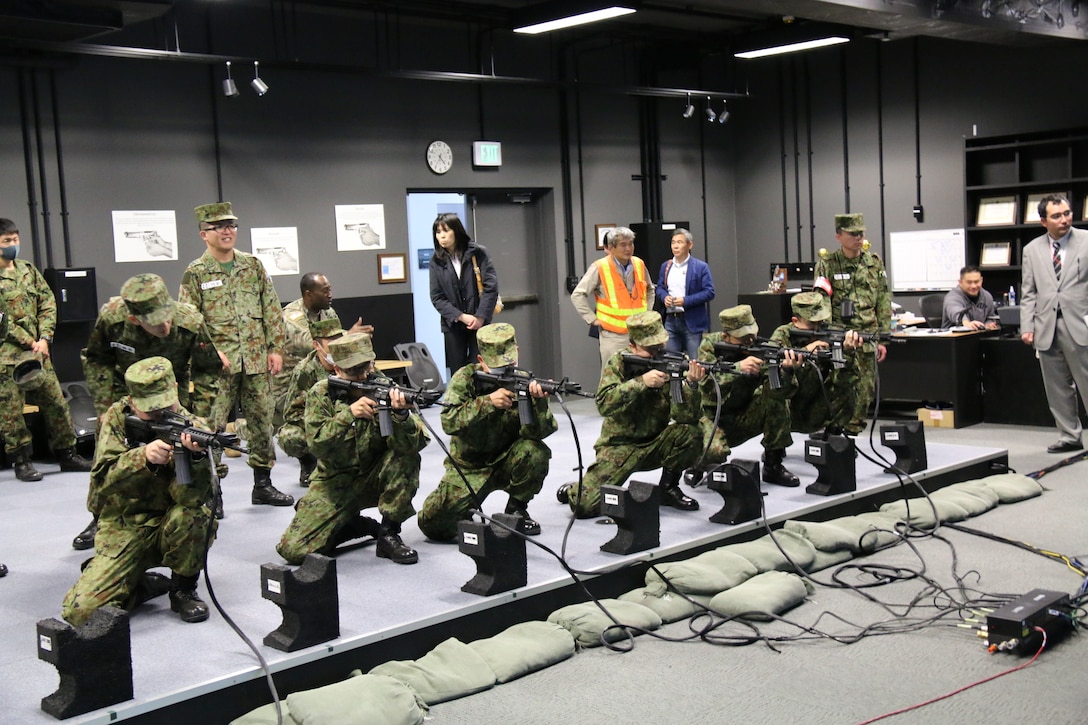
{"x":455,"y":289}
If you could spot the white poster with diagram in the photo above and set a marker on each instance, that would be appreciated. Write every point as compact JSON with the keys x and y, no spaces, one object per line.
{"x":145,"y":236}
{"x":277,"y":248}
{"x":360,"y":226}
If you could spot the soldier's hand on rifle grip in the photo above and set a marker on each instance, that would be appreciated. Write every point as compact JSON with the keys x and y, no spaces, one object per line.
{"x":397,"y":401}
{"x":364,"y":408}
{"x":190,"y":444}
{"x":536,"y":391}
{"x":502,"y":399}
{"x":790,"y":359}
{"x":852,"y":340}
{"x":158,"y":452}
{"x":654,"y":378}
{"x":696,"y":372}
{"x":750,"y":365}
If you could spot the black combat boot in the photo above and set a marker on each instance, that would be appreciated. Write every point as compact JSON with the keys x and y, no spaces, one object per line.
{"x":3,"y":570}
{"x":24,"y":468}
{"x":390,"y":545}
{"x":308,"y":464}
{"x":358,"y":528}
{"x":265,"y":493}
{"x":85,"y":539}
{"x":775,"y":472}
{"x":69,"y":460}
{"x":671,"y":495}
{"x":694,"y":477}
{"x":526,"y":525}
{"x":184,"y":599}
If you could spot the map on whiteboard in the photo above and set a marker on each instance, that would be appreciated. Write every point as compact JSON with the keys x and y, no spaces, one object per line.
{"x":926,"y":260}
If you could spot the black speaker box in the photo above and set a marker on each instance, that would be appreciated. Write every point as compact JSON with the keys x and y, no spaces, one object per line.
{"x":76,"y":293}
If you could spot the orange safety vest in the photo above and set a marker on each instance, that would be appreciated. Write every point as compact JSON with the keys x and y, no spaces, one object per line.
{"x":618,"y":304}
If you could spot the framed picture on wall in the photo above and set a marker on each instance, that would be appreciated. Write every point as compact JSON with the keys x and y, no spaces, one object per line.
{"x":1084,"y":212}
{"x":392,"y":268}
{"x":1031,"y":207}
{"x":996,"y":210}
{"x":995,"y":254}
{"x":601,"y":232}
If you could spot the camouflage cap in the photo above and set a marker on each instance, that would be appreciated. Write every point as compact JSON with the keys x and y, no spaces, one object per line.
{"x":498,"y":346}
{"x":27,"y":373}
{"x":351,"y":350}
{"x":645,"y":329}
{"x":849,"y":223}
{"x":738,"y":321}
{"x":151,"y":384}
{"x":147,"y":299}
{"x":326,"y":328}
{"x":811,"y":306}
{"x":217,"y":212}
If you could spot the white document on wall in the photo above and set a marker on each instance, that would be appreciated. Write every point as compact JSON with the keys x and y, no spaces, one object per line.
{"x":277,"y":248}
{"x":360,"y":226}
{"x":145,"y":236}
{"x":925,"y":260}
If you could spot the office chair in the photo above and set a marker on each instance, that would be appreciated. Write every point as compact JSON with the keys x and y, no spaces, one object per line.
{"x":933,"y":310}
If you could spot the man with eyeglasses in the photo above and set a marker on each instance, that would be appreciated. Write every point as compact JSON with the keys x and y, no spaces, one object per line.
{"x":857,"y":285}
{"x":242,"y":311}
{"x":1054,"y":315}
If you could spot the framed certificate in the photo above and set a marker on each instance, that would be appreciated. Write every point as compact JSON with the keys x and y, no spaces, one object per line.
{"x":1084,"y":213}
{"x":601,"y":231}
{"x":995,"y":254}
{"x":1031,"y":207}
{"x":392,"y":268}
{"x":996,"y":210}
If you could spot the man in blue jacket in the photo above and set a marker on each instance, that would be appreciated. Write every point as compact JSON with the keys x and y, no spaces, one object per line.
{"x":686,"y":288}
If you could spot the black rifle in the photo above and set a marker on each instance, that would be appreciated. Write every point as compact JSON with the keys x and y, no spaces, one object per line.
{"x":377,"y":389}
{"x":170,"y":428}
{"x":673,"y":364}
{"x":769,"y":353}
{"x":517,"y":381}
{"x":835,"y":338}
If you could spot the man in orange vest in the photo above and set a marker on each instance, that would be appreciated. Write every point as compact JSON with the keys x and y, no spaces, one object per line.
{"x":620,"y":286}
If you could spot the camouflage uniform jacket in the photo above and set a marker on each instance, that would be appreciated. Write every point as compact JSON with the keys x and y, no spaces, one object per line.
{"x":303,"y":377}
{"x":635,"y":414}
{"x":241,"y":309}
{"x":864,"y":281}
{"x":346,"y":446}
{"x":134,"y":491}
{"x":299,"y":344}
{"x":117,"y":342}
{"x":479,"y":432}
{"x":737,"y":389}
{"x":31,"y":309}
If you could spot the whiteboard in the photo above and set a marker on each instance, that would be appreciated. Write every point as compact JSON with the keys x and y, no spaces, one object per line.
{"x":927,"y":260}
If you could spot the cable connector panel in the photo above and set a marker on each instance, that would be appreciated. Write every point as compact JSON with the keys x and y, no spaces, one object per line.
{"x":1011,"y":628}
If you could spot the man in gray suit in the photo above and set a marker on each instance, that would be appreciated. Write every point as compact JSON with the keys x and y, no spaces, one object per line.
{"x":1053,"y":306}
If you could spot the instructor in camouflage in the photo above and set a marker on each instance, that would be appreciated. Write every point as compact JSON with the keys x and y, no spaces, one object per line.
{"x":357,"y":468}
{"x":857,"y":285}
{"x":147,"y":518}
{"x":242,"y":311}
{"x":639,"y":432}
{"x":488,"y":444}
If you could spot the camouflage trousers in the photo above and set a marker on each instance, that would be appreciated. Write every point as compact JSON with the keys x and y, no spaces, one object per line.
{"x":520,"y":472}
{"x":124,"y":550}
{"x":292,"y":439}
{"x":814,"y":407}
{"x":254,"y":395}
{"x":332,"y":502}
{"x":860,"y":381}
{"x":675,"y":448}
{"x":50,"y":401}
{"x":765,"y":416}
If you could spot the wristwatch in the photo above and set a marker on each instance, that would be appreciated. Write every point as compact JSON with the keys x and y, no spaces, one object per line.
{"x":47,"y":339}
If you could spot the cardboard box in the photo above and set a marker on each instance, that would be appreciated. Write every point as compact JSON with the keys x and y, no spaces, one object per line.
{"x":937,"y":418}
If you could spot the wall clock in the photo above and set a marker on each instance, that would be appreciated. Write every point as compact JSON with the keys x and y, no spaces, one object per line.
{"x":439,"y":157}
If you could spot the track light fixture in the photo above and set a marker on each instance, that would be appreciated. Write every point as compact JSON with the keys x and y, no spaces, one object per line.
{"x":689,"y":110}
{"x":710,"y":115}
{"x":258,"y":85}
{"x":724,"y":115}
{"x":230,"y":90}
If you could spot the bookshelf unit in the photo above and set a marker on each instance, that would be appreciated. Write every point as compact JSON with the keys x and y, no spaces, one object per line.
{"x":1019,"y":168}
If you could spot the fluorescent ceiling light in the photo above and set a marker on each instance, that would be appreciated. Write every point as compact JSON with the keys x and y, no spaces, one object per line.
{"x":792,"y":47}
{"x":572,"y":20}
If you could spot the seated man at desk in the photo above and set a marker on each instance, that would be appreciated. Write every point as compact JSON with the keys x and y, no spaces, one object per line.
{"x":969,"y":305}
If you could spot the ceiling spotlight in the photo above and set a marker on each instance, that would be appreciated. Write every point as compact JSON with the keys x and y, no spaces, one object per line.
{"x":258,"y":85}
{"x":724,"y":115}
{"x":689,"y":110}
{"x":230,"y":90}
{"x":710,"y":115}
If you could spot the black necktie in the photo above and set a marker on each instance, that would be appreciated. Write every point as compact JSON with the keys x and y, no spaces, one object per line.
{"x":1057,"y":260}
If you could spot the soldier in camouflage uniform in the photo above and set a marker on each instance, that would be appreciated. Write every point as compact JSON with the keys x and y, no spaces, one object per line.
{"x":314,"y":367}
{"x":357,"y":468}
{"x":3,"y":334}
{"x":639,"y":432}
{"x":749,"y":406}
{"x":488,"y":443}
{"x":820,"y":400}
{"x":144,"y":321}
{"x":854,"y":275}
{"x":240,"y":307}
{"x":147,"y":518}
{"x":32,"y":312}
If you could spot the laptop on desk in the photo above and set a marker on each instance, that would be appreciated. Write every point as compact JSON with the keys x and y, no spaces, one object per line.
{"x":1009,"y":316}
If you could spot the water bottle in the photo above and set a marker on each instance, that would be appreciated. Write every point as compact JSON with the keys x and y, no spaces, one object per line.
{"x":1012,"y":295}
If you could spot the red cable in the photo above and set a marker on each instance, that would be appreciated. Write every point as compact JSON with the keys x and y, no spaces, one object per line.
{"x":965,"y":687}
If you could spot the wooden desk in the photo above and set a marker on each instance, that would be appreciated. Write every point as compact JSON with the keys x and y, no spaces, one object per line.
{"x":386,"y":365}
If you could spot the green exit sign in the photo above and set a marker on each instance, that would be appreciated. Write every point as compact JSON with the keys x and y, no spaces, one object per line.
{"x":487,"y":153}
